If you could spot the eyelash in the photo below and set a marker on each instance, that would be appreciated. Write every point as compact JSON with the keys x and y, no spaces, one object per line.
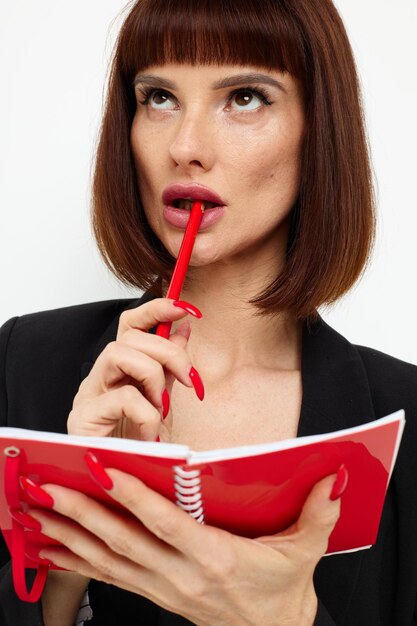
{"x":259,"y":92}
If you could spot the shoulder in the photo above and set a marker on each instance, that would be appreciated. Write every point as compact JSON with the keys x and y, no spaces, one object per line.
{"x":382,"y":363}
{"x":75,"y":327}
{"x":356,"y":372}
{"x":71,"y":321}
{"x":39,"y":337}
{"x":42,"y":356}
{"x":390,"y":378}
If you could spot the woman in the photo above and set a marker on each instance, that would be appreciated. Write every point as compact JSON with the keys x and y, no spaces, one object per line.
{"x":252,"y":107}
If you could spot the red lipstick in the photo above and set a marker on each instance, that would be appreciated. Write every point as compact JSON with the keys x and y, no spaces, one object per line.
{"x":190,"y":191}
{"x":177,"y":215}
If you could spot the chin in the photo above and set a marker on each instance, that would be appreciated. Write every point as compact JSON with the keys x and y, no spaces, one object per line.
{"x":203,"y":256}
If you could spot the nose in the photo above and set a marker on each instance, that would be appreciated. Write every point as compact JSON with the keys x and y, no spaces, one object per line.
{"x":192,"y":145}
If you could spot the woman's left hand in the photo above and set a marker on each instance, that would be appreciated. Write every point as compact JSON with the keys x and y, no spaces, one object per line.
{"x":205,"y":574}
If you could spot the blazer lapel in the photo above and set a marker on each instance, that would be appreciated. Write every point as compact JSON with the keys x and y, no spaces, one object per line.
{"x":336,"y":395}
{"x":336,"y":391}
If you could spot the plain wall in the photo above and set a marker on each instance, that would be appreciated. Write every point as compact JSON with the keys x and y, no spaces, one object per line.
{"x":53,"y":58}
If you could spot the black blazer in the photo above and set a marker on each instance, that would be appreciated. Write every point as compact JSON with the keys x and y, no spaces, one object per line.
{"x":43,"y":358}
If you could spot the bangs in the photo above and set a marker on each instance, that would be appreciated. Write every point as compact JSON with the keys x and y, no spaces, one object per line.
{"x":263,"y":33}
{"x":333,"y":221}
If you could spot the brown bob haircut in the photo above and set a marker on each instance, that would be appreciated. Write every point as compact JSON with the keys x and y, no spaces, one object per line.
{"x":333,"y":220}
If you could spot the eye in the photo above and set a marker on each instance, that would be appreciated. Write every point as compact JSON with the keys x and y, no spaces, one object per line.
{"x":248,"y":99}
{"x":158,"y":99}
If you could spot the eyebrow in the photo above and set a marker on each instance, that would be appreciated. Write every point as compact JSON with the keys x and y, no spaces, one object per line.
{"x":228,"y":81}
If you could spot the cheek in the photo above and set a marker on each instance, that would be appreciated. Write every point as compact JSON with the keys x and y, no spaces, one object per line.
{"x":144,"y":146}
{"x":267,"y":152}
{"x":146,"y":156}
{"x":274,"y":170}
{"x":135,"y":141}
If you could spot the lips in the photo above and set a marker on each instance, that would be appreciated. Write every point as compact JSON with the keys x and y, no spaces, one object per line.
{"x":178,"y":199}
{"x":193,"y":191}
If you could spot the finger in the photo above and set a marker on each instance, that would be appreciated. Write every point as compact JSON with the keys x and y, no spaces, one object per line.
{"x":165,"y":352}
{"x":100,"y":415}
{"x":106,"y":545}
{"x":159,"y":515}
{"x":120,"y":533}
{"x":317,"y":520}
{"x":150,"y":314}
{"x":145,"y":584}
{"x":180,"y":338}
{"x":170,"y":352}
{"x":143,"y":361}
{"x":181,"y":334}
{"x":307,"y":539}
{"x":87,"y":547}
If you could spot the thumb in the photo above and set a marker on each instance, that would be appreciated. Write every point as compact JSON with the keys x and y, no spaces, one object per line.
{"x":182,"y":334}
{"x":320,"y":513}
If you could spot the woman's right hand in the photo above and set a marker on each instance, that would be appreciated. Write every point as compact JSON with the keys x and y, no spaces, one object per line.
{"x":129,"y":385}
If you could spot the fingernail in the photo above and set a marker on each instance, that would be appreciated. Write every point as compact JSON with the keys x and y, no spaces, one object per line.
{"x":157,"y":440}
{"x":190,"y":308}
{"x":97,"y":471}
{"x":165,"y":403}
{"x":340,"y":483}
{"x":197,"y":383}
{"x":42,"y":560}
{"x":36,"y":492}
{"x":31,"y":554}
{"x":25,"y":519}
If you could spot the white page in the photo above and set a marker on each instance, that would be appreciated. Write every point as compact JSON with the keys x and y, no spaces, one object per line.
{"x":178,"y":451}
{"x":134,"y":446}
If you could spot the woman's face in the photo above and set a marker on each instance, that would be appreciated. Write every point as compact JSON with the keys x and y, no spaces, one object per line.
{"x":236,"y":130}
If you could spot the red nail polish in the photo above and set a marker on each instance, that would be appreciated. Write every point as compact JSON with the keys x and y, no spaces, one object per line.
{"x":40,"y":559}
{"x":157,"y":440}
{"x":340,"y":483}
{"x":25,"y":519}
{"x":165,"y":403}
{"x":190,"y":308}
{"x":197,"y":383}
{"x":97,"y":471}
{"x":36,"y":492}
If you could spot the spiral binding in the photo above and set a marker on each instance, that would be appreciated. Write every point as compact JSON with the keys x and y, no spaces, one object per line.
{"x":188,"y":492}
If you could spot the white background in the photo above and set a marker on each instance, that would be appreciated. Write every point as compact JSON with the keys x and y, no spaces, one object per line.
{"x":53,"y":58}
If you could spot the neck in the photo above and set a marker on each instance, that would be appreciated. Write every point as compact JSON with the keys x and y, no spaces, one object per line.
{"x":232,"y":335}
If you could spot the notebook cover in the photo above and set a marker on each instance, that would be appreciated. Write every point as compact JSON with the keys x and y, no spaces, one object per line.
{"x":63,"y":464}
{"x":254,"y":492}
{"x":263,"y":494}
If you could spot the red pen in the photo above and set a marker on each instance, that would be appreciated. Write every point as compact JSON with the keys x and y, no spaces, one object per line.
{"x":181,"y":266}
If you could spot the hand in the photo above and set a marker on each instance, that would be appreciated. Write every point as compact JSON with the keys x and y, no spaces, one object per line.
{"x":208,"y":575}
{"x":123,"y":394}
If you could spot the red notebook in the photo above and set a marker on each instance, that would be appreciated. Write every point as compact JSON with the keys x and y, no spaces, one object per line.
{"x":248,"y":490}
